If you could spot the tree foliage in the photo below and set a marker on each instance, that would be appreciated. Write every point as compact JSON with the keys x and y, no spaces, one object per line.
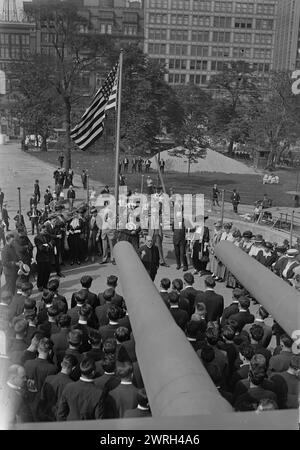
{"x":149,"y":104}
{"x":75,"y":50}
{"x":191,"y":137}
{"x":275,"y":123}
{"x":236,"y":89}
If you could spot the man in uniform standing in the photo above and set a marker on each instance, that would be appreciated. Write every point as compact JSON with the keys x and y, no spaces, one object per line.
{"x":10,"y":263}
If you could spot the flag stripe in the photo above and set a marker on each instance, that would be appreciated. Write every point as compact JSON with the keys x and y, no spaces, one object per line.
{"x":91,"y":124}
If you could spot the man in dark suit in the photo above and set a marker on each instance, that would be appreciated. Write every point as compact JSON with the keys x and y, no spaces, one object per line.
{"x":260,"y":320}
{"x":16,"y":307}
{"x":233,"y":308}
{"x":79,"y":298}
{"x":109,"y":379}
{"x":243,"y":316}
{"x":36,"y":190}
{"x":101,"y":311}
{"x":37,"y":371}
{"x":108,"y":331}
{"x":43,"y":257}
{"x":165,"y":284}
{"x":74,"y":344}
{"x":53,"y":388}
{"x":214,"y":302}
{"x":60,"y":300}
{"x":112,"y":282}
{"x":179,"y":242}
{"x":10,"y":263}
{"x":149,"y":255}
{"x":122,"y":336}
{"x":189,"y":292}
{"x":84,"y":313}
{"x":125,"y":394}
{"x":60,"y":339}
{"x":91,"y":298}
{"x":143,"y":407}
{"x":82,"y":400}
{"x":235,"y":200}
{"x":180,"y":316}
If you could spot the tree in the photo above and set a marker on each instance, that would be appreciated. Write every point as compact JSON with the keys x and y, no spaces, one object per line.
{"x":75,"y":50}
{"x":275,"y":124}
{"x":237,"y":87}
{"x":33,"y":100}
{"x":148,"y":103}
{"x":191,"y":136}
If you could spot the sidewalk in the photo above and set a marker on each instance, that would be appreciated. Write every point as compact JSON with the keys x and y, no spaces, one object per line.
{"x":21,"y":169}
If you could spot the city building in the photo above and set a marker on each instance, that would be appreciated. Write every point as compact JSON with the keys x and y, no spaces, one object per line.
{"x":287,"y":39}
{"x":197,"y":38}
{"x":15,"y":45}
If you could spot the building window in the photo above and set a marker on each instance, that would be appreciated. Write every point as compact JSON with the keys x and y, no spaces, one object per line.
{"x":221,"y":36}
{"x":241,"y":52}
{"x":200,"y":36}
{"x":196,"y":64}
{"x":243,"y":23}
{"x":218,"y":65}
{"x":159,"y":4}
{"x":262,"y":53}
{"x":179,"y":35}
{"x":223,"y":6}
{"x":264,"y":24}
{"x":243,"y":37}
{"x":158,"y":49}
{"x":202,"y":5}
{"x":177,"y":49}
{"x":180,"y":4}
{"x":221,"y":52}
{"x":263,"y":39}
{"x":201,"y":21}
{"x":267,"y":10}
{"x":197,"y":50}
{"x":244,"y":8}
{"x":157,"y":34}
{"x":222,"y":22}
{"x":129,"y":30}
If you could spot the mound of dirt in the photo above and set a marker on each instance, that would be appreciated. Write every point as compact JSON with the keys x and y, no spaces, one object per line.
{"x":213,"y":162}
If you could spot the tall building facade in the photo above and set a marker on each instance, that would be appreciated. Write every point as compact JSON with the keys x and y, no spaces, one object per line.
{"x":196,"y":38}
{"x":287,"y":39}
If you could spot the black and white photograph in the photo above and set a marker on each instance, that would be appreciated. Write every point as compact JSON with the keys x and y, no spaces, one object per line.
{"x":149,"y":218}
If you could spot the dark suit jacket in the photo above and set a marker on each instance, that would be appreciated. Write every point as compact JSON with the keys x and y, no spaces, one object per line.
{"x":16,"y":306}
{"x":101,"y":313}
{"x":129,"y":347}
{"x":214,"y":304}
{"x":81,"y":401}
{"x":92,"y":299}
{"x":165,"y":297}
{"x":136,"y":412}
{"x":38,"y":369}
{"x":229,"y":311}
{"x":125,"y":322}
{"x":9,"y":258}
{"x":117,"y":300}
{"x":60,"y":340}
{"x":242,"y":319}
{"x":108,"y":331}
{"x":190,"y":294}
{"x":149,"y":257}
{"x":125,"y":397}
{"x":51,"y":393}
{"x":180,"y":316}
{"x":111,"y":381}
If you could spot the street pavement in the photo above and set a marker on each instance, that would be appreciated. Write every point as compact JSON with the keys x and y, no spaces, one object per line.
{"x":18,"y":168}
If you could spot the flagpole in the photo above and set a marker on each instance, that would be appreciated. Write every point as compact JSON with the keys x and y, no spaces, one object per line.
{"x":118,"y":135}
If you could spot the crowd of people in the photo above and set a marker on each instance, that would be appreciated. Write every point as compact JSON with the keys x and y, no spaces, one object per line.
{"x":76,"y":360}
{"x":79,"y":362}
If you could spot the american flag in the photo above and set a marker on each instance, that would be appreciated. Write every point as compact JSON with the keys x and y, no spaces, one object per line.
{"x":91,"y":124}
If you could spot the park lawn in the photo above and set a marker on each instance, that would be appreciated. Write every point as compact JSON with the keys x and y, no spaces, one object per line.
{"x":101,"y":168}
